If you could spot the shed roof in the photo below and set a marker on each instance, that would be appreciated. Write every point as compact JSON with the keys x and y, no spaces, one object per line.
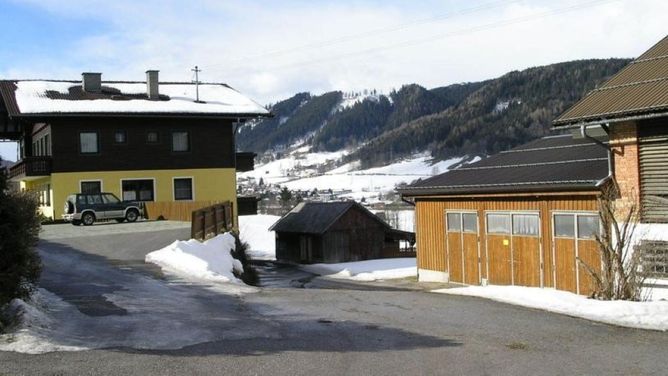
{"x":640,"y":88}
{"x":553,"y":163}
{"x":59,"y":98}
{"x":317,"y":217}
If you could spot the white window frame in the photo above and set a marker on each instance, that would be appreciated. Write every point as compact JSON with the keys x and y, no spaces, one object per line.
{"x":192,"y":187}
{"x":91,"y":181}
{"x":120,"y":187}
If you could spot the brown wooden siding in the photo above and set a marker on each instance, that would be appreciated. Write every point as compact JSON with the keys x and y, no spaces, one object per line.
{"x":431,"y":234}
{"x":211,"y":144}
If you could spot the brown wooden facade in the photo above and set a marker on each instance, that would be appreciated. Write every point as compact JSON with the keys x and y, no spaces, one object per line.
{"x":474,"y":257}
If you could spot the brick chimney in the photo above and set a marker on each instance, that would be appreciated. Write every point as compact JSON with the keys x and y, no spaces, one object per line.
{"x":91,"y":82}
{"x":152,"y":87}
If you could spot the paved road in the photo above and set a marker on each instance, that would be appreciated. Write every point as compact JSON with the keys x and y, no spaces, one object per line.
{"x":149,"y":324}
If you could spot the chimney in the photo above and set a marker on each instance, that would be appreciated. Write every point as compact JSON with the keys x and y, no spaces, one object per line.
{"x":91,"y":82}
{"x":152,"y":84}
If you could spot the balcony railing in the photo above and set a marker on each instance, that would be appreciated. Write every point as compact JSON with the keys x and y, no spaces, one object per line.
{"x":30,"y":167}
{"x":245,"y":161}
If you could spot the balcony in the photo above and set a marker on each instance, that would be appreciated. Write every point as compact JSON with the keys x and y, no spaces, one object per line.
{"x":245,"y":161}
{"x":30,"y":168}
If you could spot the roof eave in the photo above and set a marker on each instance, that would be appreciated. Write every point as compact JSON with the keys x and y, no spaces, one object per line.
{"x":550,"y":187}
{"x":188,"y":115}
{"x":586,"y":121}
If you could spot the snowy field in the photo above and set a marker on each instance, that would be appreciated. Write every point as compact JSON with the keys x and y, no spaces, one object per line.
{"x":642,"y":315}
{"x":369,"y":270}
{"x":254,"y":230}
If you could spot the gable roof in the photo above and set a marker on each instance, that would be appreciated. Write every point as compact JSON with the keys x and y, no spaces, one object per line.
{"x":66,"y":98}
{"x":317,"y":217}
{"x":639,"y":89}
{"x":553,"y":163}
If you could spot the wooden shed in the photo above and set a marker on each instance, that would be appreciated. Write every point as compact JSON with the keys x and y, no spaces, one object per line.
{"x":521,"y":217}
{"x":332,"y":232}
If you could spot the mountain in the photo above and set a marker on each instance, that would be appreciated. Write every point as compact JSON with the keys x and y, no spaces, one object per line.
{"x":478,"y":118}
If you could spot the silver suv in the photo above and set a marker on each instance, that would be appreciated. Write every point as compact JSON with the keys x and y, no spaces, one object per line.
{"x":87,"y":208}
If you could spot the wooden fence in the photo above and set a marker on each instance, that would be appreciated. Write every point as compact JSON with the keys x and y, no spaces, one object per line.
{"x":174,"y":210}
{"x":212,"y":220}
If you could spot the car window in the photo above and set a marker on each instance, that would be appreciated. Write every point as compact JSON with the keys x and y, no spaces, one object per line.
{"x":94,"y":199}
{"x":110,"y":199}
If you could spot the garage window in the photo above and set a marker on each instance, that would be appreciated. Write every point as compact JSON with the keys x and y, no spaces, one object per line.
{"x":454,"y":222}
{"x":588,"y":226}
{"x":525,"y":224}
{"x":470,"y":222}
{"x":498,"y":223}
{"x":564,"y":226}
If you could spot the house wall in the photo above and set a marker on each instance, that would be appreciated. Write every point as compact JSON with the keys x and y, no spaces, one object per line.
{"x":213,"y":184}
{"x":624,"y":144}
{"x":431,"y":233}
{"x":211,"y":144}
{"x":355,"y":236}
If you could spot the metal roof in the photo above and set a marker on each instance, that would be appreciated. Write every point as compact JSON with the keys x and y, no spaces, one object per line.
{"x":317,"y":217}
{"x":639,"y":89}
{"x":554,"y":163}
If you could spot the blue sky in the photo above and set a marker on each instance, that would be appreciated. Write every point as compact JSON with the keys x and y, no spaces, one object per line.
{"x":270,"y":50}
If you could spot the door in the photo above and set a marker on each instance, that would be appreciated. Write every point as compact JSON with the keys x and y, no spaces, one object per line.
{"x":113,"y":206}
{"x":526,"y":250}
{"x":463,"y":250}
{"x":575,"y":251}
{"x":499,"y":256}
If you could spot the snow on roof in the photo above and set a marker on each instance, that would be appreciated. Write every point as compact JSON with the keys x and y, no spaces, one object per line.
{"x":66,"y":97}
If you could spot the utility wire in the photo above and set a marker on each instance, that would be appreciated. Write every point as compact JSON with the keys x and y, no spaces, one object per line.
{"x":370,"y":33}
{"x":492,"y":25}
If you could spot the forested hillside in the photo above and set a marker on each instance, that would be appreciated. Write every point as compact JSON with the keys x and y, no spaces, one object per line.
{"x":462,"y":119}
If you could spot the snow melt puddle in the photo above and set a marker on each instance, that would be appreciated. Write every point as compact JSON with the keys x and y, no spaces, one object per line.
{"x":642,"y":315}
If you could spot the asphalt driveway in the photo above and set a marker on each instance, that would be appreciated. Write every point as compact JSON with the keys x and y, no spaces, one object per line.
{"x":141,"y":322}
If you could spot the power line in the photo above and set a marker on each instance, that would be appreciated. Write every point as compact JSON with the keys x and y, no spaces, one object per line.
{"x":414,"y":42}
{"x":370,"y":33}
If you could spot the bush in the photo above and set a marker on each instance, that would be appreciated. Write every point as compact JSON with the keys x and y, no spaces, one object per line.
{"x":20,"y":265}
{"x":249,"y":276}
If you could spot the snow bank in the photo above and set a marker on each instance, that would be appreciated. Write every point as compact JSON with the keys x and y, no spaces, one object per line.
{"x":36,"y":325}
{"x":210,"y":260}
{"x":254,"y":230}
{"x":643,"y":315}
{"x":369,"y":270}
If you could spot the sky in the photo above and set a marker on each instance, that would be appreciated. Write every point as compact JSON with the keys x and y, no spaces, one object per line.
{"x":270,"y":50}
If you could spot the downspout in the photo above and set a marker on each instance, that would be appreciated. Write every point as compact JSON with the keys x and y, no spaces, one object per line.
{"x":611,"y":168}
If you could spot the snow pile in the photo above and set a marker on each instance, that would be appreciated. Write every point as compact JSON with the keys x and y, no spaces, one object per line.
{"x":254,"y":230}
{"x":369,"y":270}
{"x":36,"y":326}
{"x":210,"y":260}
{"x":643,"y":315}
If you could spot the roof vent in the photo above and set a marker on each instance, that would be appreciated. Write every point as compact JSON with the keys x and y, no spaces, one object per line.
{"x":152,"y":84}
{"x":91,"y":82}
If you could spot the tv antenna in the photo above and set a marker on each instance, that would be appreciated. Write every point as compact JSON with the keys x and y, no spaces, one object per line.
{"x":196,"y":82}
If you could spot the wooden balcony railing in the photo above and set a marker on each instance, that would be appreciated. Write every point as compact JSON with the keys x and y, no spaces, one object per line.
{"x":30,"y":166}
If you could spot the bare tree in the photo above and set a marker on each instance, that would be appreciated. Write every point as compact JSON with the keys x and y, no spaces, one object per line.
{"x":621,"y":276}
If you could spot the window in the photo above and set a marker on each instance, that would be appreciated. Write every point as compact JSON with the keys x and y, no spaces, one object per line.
{"x":152,"y":138}
{"x":94,"y":199}
{"x":470,"y":222}
{"x":183,"y":189}
{"x":108,"y":198}
{"x":564,"y":225}
{"x":88,"y":143}
{"x":525,"y":224}
{"x":137,"y":190}
{"x":120,"y":137}
{"x":498,"y":223}
{"x":454,"y":222}
{"x":91,"y":187}
{"x":588,"y":226}
{"x":180,"y":141}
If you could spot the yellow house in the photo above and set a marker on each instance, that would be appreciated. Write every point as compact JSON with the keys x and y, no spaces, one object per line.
{"x":142,"y":141}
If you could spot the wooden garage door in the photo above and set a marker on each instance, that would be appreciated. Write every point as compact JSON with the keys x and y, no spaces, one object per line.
{"x":513,"y":249}
{"x":574,"y":238}
{"x":463,"y":249}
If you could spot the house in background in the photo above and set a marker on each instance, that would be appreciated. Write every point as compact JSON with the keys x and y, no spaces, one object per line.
{"x":333,"y":232}
{"x":520,"y":217}
{"x":146,"y":141}
{"x":525,"y":216}
{"x":632,"y":107}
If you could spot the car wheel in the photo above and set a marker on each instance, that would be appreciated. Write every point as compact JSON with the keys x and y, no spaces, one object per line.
{"x":69,"y":207}
{"x":88,"y":218}
{"x":132,"y":215}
